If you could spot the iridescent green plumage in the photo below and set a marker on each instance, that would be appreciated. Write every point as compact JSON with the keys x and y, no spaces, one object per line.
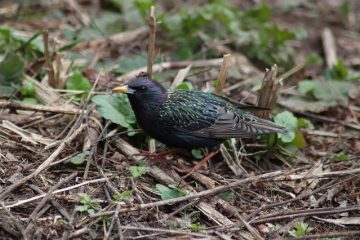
{"x":207,"y":115}
{"x":191,"y":119}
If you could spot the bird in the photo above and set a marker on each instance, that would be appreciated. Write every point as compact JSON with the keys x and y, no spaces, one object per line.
{"x":191,"y":119}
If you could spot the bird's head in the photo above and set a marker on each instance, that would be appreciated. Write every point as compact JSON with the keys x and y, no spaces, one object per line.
{"x":143,"y":92}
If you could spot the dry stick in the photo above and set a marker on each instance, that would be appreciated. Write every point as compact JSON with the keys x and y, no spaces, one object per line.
{"x":55,"y":192}
{"x":17,"y":223}
{"x":119,"y":39}
{"x":322,"y":210}
{"x":309,"y":212}
{"x":48,"y":196}
{"x":44,"y":165}
{"x":55,"y":203}
{"x":171,"y":65}
{"x":48,"y":61}
{"x":202,"y":194}
{"x":113,"y":220}
{"x":151,"y":46}
{"x":162,"y":230}
{"x":234,"y":211}
{"x":84,"y":17}
{"x":173,"y":178}
{"x":330,"y":235}
{"x":301,"y":196}
{"x":223,"y":73}
{"x":38,"y":108}
{"x":180,"y":77}
{"x":269,"y":92}
{"x":329,"y":47}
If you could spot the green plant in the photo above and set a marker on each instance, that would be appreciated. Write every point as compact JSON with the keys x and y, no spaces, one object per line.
{"x":251,"y":31}
{"x":300,"y":229}
{"x":294,"y":137}
{"x":169,"y":192}
{"x":121,"y":196}
{"x":87,"y":205}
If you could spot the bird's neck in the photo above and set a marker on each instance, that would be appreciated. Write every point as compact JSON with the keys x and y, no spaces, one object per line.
{"x":148,"y":107}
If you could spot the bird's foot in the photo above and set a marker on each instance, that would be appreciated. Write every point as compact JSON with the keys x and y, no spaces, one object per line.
{"x":201,"y":163}
{"x":165,"y":154}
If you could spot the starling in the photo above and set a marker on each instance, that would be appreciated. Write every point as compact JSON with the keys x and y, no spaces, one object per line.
{"x":190,"y":119}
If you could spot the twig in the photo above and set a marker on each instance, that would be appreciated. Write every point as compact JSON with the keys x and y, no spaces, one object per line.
{"x":38,"y":108}
{"x":118,"y":39}
{"x":55,"y":203}
{"x":308,"y":212}
{"x":84,"y":18}
{"x":223,"y":73}
{"x":171,"y":65}
{"x":329,"y":47}
{"x":330,"y":235}
{"x":172,"y":178}
{"x":44,"y":165}
{"x":180,"y":77}
{"x":48,"y":60}
{"x":302,"y":196}
{"x":48,"y":196}
{"x":202,"y":194}
{"x":269,"y":92}
{"x":151,"y":46}
{"x":21,"y":202}
{"x":18,"y":225}
{"x":113,"y":220}
{"x":162,"y":230}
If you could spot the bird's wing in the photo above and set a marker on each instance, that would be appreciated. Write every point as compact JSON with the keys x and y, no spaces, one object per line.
{"x":207,"y":115}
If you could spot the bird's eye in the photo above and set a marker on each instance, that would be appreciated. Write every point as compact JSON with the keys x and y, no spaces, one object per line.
{"x":142,"y":88}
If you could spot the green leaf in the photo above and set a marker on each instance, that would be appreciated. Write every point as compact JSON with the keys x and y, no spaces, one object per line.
{"x":30,"y":100}
{"x":28,"y":89}
{"x":197,"y":153}
{"x":305,"y":123}
{"x":81,"y":208}
{"x":79,"y":158}
{"x":197,"y":227}
{"x":125,"y":194}
{"x":77,"y":81}
{"x":85,"y":199}
{"x":115,"y":108}
{"x":68,"y":46}
{"x":185,"y":86}
{"x":11,"y":70}
{"x":328,"y":91}
{"x":341,"y":157}
{"x":227,"y":196}
{"x":299,"y":140}
{"x":301,"y":229}
{"x":302,"y":104}
{"x":169,"y":193}
{"x":337,"y":72}
{"x":290,"y":122}
{"x":138,"y":171}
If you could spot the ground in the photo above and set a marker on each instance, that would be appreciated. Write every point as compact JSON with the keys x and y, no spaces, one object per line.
{"x":69,"y":149}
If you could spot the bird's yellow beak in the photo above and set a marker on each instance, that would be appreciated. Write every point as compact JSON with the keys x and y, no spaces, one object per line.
{"x":121,"y":89}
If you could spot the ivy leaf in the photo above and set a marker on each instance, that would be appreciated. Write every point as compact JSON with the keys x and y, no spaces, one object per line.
{"x":28,"y":89}
{"x":290,"y":122}
{"x":30,"y":100}
{"x":115,"y":108}
{"x":77,"y":81}
{"x":197,"y":153}
{"x":11,"y":73}
{"x":169,"y":193}
{"x":138,"y":171}
{"x":79,"y":158}
{"x":81,"y":208}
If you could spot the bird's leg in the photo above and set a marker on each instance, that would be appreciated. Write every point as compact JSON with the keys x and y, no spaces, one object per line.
{"x":203,"y":161}
{"x":159,"y":155}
